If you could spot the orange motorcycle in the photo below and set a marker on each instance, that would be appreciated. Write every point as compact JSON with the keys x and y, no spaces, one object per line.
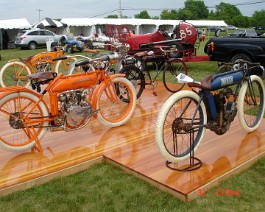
{"x":73,"y":100}
{"x":16,"y":70}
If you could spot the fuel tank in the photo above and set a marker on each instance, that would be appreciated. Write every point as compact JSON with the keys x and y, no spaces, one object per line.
{"x":225,"y":79}
{"x":75,"y":81}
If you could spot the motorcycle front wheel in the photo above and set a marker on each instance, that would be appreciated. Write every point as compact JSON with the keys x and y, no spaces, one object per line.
{"x":251,"y":104}
{"x":116,"y":102}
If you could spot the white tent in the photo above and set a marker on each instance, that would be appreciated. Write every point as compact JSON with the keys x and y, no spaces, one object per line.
{"x":141,"y":26}
{"x":50,"y":24}
{"x":13,"y":26}
{"x":47,"y":22}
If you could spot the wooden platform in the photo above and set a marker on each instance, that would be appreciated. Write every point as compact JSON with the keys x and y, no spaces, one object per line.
{"x":133,"y":148}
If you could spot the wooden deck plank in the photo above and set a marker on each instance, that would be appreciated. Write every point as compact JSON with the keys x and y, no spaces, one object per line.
{"x":132,"y":146}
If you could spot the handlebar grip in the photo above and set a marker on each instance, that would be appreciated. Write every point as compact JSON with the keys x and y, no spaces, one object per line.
{"x":81,"y":63}
{"x":59,"y":58}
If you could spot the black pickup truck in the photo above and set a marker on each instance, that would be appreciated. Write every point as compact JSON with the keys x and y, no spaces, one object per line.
{"x":231,"y":49}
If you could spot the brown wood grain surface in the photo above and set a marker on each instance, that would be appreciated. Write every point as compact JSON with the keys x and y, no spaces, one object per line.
{"x":132,"y":146}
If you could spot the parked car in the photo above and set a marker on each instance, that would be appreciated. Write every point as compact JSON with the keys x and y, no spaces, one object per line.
{"x":231,"y":27}
{"x":243,"y":33}
{"x":216,"y":28}
{"x":34,"y":38}
{"x":260,"y":30}
{"x":232,"y":49}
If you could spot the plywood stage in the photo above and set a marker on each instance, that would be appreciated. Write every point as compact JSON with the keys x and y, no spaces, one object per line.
{"x":133,"y":148}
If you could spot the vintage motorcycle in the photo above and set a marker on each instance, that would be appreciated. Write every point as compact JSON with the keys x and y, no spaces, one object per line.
{"x":212,"y":104}
{"x":15,"y":71}
{"x":73,"y":100}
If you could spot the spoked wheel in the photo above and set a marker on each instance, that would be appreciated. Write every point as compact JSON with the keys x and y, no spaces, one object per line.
{"x":251,"y":104}
{"x":21,"y":121}
{"x":116,"y":103}
{"x":62,"y":66}
{"x":136,"y":77}
{"x":175,"y":67}
{"x":180,"y":118}
{"x":14,"y":73}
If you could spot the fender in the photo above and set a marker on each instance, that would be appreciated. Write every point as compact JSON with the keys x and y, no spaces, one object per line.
{"x":14,"y":60}
{"x":17,"y":89}
{"x":102,"y":86}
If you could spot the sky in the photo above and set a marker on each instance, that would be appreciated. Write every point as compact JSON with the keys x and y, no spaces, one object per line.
{"x":35,"y":10}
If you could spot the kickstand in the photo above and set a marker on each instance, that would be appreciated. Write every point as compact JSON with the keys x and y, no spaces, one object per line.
{"x":37,"y":146}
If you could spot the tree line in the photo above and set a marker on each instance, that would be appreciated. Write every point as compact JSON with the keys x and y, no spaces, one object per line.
{"x":196,"y":10}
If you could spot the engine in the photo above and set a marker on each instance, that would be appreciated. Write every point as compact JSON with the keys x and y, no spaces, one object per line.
{"x":43,"y":66}
{"x":226,"y":109}
{"x":75,"y":109}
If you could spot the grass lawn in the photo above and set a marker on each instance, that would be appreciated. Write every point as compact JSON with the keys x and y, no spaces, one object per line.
{"x":104,"y":187}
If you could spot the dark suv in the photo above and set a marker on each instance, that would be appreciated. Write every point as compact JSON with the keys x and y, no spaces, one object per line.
{"x":34,"y":38}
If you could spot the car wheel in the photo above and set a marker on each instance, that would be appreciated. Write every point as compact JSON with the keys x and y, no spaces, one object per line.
{"x":32,"y":45}
{"x":237,"y":58}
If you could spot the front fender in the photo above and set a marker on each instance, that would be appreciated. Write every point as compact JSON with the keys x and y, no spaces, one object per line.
{"x":14,"y":60}
{"x":102,"y":85}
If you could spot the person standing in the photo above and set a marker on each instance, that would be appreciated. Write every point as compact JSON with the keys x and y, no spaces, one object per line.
{"x":5,"y":40}
{"x":203,"y":35}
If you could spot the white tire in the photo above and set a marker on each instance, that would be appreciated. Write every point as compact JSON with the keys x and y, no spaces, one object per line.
{"x":62,"y":66}
{"x":177,"y":112}
{"x":9,"y":74}
{"x":111,"y":113}
{"x":249,"y":115}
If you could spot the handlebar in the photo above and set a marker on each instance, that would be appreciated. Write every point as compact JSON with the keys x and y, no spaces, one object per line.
{"x":242,"y":62}
{"x":59,"y":58}
{"x":242,"y":65}
{"x":105,"y":57}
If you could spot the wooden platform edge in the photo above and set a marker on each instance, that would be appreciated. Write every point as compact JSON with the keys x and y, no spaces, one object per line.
{"x":147,"y":179}
{"x":238,"y":169}
{"x":46,"y":178}
{"x":194,"y":194}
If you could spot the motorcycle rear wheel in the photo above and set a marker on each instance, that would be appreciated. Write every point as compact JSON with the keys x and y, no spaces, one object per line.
{"x":17,"y":110}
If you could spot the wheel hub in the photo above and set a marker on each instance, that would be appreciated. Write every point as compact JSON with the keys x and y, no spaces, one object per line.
{"x":178,"y":126}
{"x":14,"y":121}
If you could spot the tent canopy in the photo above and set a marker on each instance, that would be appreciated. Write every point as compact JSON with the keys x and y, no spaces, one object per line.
{"x":135,"y":21}
{"x":15,"y":24}
{"x":47,"y":22}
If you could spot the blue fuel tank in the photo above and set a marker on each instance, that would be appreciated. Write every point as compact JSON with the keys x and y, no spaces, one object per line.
{"x":225,"y":79}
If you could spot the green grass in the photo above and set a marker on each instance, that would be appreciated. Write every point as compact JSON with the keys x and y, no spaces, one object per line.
{"x":104,"y":187}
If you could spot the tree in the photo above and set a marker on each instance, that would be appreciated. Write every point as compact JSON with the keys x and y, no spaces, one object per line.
{"x":241,"y":21}
{"x":227,"y":12}
{"x":197,"y":8}
{"x":169,"y":15}
{"x":259,"y":18}
{"x":185,"y":14}
{"x":143,"y":15}
{"x":112,"y":16}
